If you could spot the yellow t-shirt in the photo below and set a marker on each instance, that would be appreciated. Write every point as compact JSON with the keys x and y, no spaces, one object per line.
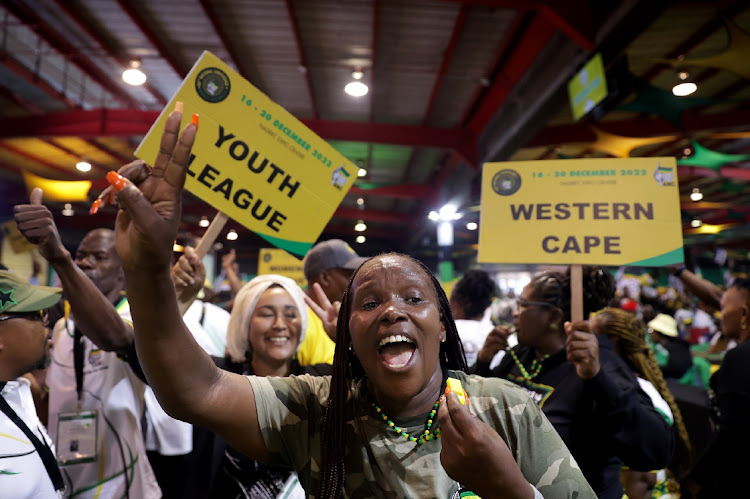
{"x":318,"y":347}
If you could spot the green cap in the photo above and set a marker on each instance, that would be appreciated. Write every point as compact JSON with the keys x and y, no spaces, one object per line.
{"x":18,"y":295}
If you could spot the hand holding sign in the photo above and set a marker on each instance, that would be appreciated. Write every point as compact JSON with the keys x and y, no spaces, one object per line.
{"x":582,"y":348}
{"x":150,"y":212}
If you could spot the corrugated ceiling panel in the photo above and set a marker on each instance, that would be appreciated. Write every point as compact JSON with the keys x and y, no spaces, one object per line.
{"x":42,"y":59}
{"x":411,"y":43}
{"x":114,"y":20}
{"x":483,"y":32}
{"x":92,"y":50}
{"x":260,"y":30}
{"x":334,"y":41}
{"x":424,"y":165}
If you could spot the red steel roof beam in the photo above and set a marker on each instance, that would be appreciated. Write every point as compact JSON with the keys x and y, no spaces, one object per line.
{"x":160,"y":47}
{"x":20,"y":101}
{"x":69,"y":52}
{"x":213,"y":18}
{"x":87,"y":28}
{"x":36,"y":159}
{"x":301,"y":57}
{"x":35,"y":80}
{"x":532,"y":42}
{"x":494,"y":69}
{"x":390,"y":217}
{"x":70,"y":152}
{"x":115,"y":154}
{"x":373,"y":57}
{"x":447,"y":57}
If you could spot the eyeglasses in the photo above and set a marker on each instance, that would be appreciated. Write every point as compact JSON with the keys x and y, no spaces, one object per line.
{"x":38,"y":316}
{"x":527,"y":303}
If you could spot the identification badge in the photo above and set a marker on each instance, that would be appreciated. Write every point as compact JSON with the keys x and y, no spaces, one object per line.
{"x":77,"y":437}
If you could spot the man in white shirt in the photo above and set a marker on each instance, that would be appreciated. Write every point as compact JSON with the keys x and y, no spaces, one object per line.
{"x":28,"y":468}
{"x":96,"y":399}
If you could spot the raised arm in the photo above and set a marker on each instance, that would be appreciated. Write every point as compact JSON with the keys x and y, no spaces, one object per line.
{"x":227,"y":263}
{"x":184,"y":378}
{"x":95,"y":314}
{"x":706,"y":291}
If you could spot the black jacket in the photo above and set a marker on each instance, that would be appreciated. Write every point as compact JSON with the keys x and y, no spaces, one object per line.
{"x":605,"y":421}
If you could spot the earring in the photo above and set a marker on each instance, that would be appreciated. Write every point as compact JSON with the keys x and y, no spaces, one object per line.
{"x":554,"y":326}
{"x":442,"y":340}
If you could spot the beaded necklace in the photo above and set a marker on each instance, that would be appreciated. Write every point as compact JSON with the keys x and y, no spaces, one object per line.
{"x":536,"y":367}
{"x":424,"y":437}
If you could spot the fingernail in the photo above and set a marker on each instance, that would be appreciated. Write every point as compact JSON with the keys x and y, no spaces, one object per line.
{"x":194,"y":120}
{"x":116,"y":180}
{"x":178,"y":106}
{"x":442,"y":399}
{"x":95,"y":206}
{"x":447,"y":390}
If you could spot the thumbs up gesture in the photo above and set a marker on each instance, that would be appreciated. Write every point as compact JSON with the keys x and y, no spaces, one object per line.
{"x":582,"y":348}
{"x":35,"y":222}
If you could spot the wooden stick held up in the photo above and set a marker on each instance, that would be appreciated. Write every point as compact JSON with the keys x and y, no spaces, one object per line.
{"x":211,"y":234}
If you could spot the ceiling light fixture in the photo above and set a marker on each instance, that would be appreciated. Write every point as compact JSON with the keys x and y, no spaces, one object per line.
{"x":362,"y":172}
{"x":133,"y":75}
{"x":83,"y":166}
{"x":685,"y":86}
{"x":356,"y":88}
{"x":232,"y":235}
{"x":204,"y":222}
{"x":696,"y":222}
{"x":68,"y":210}
{"x":360,"y":201}
{"x":447,"y":213}
{"x":472,"y":226}
{"x":361,"y":239}
{"x":696,"y":195}
{"x":360,"y":227}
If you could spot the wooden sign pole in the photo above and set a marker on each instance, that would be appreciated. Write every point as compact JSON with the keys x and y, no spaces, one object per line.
{"x":213,"y":231}
{"x":576,"y":293}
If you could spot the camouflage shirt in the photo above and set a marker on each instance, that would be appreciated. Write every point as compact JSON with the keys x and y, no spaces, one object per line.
{"x":380,"y":463}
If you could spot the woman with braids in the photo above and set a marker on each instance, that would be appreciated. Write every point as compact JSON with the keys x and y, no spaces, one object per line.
{"x":380,"y":426}
{"x":629,"y":339}
{"x":588,"y":393}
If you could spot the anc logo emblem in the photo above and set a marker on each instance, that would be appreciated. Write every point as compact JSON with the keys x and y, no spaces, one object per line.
{"x":212,"y":85}
{"x":506,"y":182}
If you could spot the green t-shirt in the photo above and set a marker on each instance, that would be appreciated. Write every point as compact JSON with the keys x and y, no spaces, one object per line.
{"x":380,"y":463}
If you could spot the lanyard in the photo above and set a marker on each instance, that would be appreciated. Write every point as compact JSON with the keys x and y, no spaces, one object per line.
{"x":78,"y":362}
{"x":50,"y":463}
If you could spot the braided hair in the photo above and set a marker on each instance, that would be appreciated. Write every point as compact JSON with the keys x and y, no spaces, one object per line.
{"x":554,"y":288}
{"x":474,"y":293}
{"x":347,"y":369}
{"x":638,"y":355}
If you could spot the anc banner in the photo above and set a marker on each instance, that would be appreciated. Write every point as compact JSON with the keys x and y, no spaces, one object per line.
{"x":253,"y":160}
{"x":587,"y":211}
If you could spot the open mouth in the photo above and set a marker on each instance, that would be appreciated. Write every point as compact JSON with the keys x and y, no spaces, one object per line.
{"x":278,"y":340}
{"x":396,"y":350}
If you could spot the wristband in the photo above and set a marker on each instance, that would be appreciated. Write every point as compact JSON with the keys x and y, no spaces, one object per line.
{"x":678,"y":272}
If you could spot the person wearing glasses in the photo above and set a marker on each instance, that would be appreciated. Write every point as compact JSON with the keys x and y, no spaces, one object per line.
{"x":28,"y":467}
{"x":588,"y":393}
{"x":384,"y":424}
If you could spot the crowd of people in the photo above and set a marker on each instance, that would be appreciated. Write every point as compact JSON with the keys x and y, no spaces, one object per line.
{"x":141,"y":390}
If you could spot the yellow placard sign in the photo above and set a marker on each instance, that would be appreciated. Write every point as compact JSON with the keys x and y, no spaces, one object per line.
{"x":253,"y":160}
{"x":17,"y":241}
{"x":277,"y":261}
{"x":589,"y":211}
